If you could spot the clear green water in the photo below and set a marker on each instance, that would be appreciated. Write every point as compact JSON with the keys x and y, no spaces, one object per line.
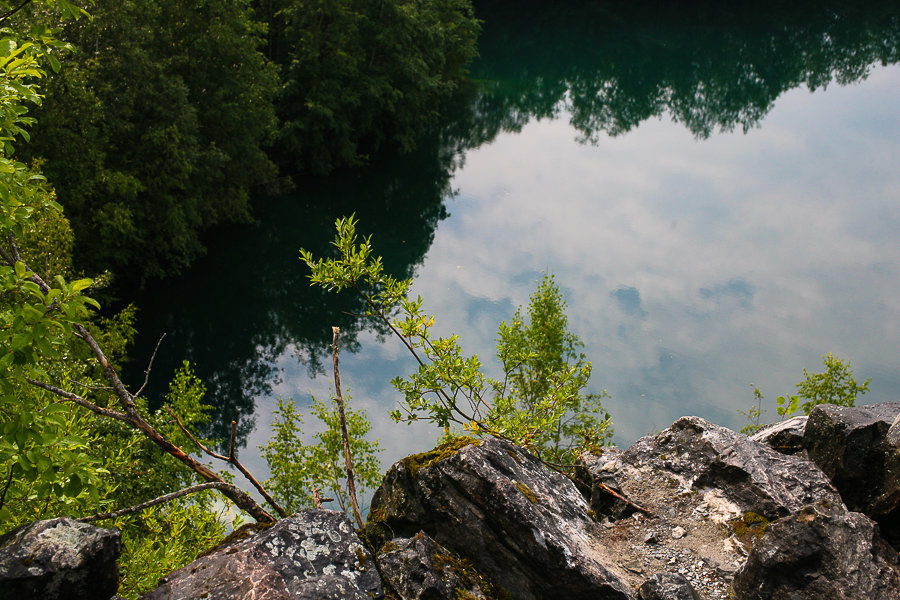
{"x":717,"y":191}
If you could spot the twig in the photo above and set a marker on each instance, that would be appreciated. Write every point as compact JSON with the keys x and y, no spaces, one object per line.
{"x":192,"y":438}
{"x":616,"y":494}
{"x":149,"y":366}
{"x":219,"y":485}
{"x":231,"y":459}
{"x":351,"y":485}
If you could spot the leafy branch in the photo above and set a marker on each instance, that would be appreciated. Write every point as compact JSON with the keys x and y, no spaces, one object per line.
{"x":539,"y":401}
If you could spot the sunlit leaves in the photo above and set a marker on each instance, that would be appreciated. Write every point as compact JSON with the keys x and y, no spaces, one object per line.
{"x":540,"y":401}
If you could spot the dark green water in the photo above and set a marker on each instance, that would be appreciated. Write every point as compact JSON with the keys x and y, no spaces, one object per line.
{"x":714,"y":186}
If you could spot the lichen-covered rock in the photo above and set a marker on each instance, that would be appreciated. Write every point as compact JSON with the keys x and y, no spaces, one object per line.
{"x":786,"y":436}
{"x":314,"y":555}
{"x":852,"y":446}
{"x":418,"y":568}
{"x":702,"y":456}
{"x":821,"y":551}
{"x":522,"y":525}
{"x":667,"y":586}
{"x":59,"y":559}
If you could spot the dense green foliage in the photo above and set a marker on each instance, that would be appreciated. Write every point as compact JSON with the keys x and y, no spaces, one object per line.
{"x":538,"y":403}
{"x":542,"y":366}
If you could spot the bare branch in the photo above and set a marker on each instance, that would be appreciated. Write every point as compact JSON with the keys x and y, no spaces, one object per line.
{"x":345,"y":436}
{"x":194,"y":439}
{"x":218,"y":485}
{"x":149,"y":366}
{"x":72,"y":397}
{"x":231,"y":459}
{"x":231,"y":456}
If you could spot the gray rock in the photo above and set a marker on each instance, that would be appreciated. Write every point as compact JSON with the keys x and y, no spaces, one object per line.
{"x":314,"y":554}
{"x":524,"y":526}
{"x":418,"y":568}
{"x":786,"y":437}
{"x":667,"y":586}
{"x":59,"y":559}
{"x":703,"y":456}
{"x":821,"y":551}
{"x":851,"y":445}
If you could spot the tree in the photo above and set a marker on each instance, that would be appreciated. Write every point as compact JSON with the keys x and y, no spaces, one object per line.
{"x":542,"y":366}
{"x":550,"y":417}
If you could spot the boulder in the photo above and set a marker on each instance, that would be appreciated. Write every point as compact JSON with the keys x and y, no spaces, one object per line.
{"x":524,"y":526}
{"x":786,"y":437}
{"x":852,"y":446}
{"x":418,"y":568}
{"x":59,"y":559}
{"x":703,"y":457}
{"x":314,"y":555}
{"x":821,"y":551}
{"x":692,"y":499}
{"x":667,"y":586}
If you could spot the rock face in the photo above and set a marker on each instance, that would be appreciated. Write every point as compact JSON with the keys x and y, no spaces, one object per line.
{"x":821,"y":551}
{"x":706,"y":491}
{"x":525,"y":527}
{"x":786,"y":437}
{"x":314,"y":555}
{"x":852,"y":446}
{"x":418,"y":568}
{"x":59,"y":559}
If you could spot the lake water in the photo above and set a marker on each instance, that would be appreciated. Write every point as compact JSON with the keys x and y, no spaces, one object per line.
{"x":717,"y":194}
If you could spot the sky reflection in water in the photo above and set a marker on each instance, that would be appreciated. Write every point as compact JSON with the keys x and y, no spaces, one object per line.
{"x":692,"y":269}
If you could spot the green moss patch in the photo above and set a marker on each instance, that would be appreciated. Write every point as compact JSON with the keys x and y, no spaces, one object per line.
{"x":749,"y":528}
{"x":415,"y":462}
{"x":526,"y":491}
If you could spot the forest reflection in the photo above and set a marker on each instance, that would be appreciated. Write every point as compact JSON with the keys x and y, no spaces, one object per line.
{"x":711,"y":66}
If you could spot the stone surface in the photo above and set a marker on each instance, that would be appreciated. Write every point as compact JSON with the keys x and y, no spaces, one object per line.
{"x":59,"y":559}
{"x":524,"y":526}
{"x":822,"y":551}
{"x":314,"y":554}
{"x":667,"y":586}
{"x":851,"y":445}
{"x":716,"y":488}
{"x":418,"y":568}
{"x":786,"y":437}
{"x":704,"y":457}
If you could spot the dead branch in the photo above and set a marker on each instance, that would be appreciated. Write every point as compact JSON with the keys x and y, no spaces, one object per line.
{"x":231,"y":459}
{"x":605,"y":488}
{"x":150,"y":366}
{"x":345,"y":436}
{"x":219,"y":485}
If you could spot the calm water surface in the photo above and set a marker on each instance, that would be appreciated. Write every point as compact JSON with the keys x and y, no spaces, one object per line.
{"x":720,"y":204}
